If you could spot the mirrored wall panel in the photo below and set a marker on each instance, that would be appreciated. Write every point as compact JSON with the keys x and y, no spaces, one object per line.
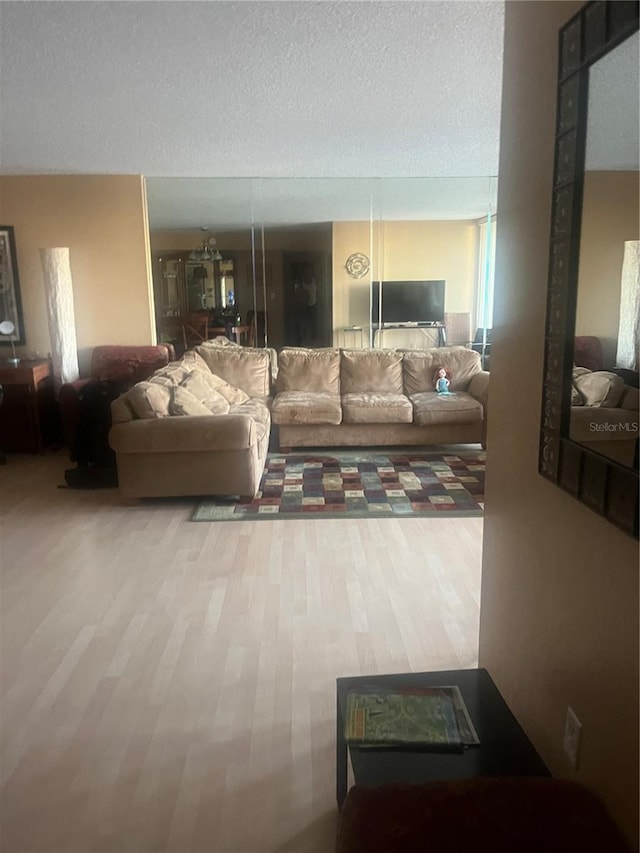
{"x":323,"y":262}
{"x":604,"y":404}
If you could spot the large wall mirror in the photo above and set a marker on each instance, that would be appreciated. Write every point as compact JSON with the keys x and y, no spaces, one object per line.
{"x":299,"y":259}
{"x":590,"y":417}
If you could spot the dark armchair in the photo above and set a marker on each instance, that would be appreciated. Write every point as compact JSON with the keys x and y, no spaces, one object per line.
{"x":123,"y":364}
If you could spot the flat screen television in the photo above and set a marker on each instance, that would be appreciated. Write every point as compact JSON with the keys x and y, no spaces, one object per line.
{"x":407,"y":302}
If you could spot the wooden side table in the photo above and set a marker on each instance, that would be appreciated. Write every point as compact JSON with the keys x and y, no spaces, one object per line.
{"x":28,"y":399}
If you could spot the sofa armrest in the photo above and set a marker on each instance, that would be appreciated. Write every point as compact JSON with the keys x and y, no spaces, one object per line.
{"x":597,"y":423}
{"x":177,"y":434}
{"x":479,"y":388}
{"x":630,"y":399}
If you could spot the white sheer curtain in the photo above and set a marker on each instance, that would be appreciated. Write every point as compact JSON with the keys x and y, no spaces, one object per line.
{"x":629,"y":324}
{"x":486,"y":273}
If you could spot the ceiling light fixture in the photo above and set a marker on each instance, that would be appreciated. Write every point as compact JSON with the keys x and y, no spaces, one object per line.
{"x":206,"y":252}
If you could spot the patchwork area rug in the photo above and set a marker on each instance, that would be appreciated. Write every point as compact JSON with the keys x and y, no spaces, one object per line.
{"x":353,"y":484}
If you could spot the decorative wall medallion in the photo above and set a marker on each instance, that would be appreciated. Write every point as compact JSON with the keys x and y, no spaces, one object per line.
{"x":357,"y":265}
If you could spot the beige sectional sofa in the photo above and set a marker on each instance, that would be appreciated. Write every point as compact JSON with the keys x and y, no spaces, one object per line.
{"x":198,"y":426}
{"x":378,"y":397}
{"x":605,"y":415}
{"x":201,"y":425}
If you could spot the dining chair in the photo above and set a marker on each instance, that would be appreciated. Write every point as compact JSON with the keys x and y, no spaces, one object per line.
{"x":256,"y":323}
{"x":195,"y":329}
{"x":251,"y":334}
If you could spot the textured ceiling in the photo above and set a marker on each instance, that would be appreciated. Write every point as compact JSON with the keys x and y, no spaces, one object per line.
{"x":278,"y":89}
{"x":298,"y":88}
{"x":614,"y":109}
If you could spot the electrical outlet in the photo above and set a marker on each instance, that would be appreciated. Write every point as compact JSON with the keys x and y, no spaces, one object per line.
{"x":571,"y":740}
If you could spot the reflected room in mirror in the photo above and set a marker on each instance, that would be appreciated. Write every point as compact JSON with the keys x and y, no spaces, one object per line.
{"x":604,"y":393}
{"x":287,"y":246}
{"x":590,"y":413}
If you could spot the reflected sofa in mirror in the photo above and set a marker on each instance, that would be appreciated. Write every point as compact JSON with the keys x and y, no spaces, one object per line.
{"x":589,"y":435}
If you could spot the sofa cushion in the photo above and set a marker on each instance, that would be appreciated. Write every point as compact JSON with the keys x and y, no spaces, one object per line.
{"x":370,"y":371}
{"x":257,"y":410}
{"x":601,"y":388}
{"x":430,"y":408}
{"x":176,"y":371}
{"x":376,"y":408}
{"x":576,"y":397}
{"x":598,"y":424}
{"x":231,"y":394}
{"x":204,"y":388}
{"x":299,"y":407}
{"x":309,"y":370}
{"x":243,"y":367}
{"x":149,"y":400}
{"x":190,"y":368}
{"x":183,"y":403}
{"x":122,"y":410}
{"x":419,"y":367}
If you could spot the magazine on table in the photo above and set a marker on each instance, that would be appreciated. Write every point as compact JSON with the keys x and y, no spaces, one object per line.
{"x":429,"y":718}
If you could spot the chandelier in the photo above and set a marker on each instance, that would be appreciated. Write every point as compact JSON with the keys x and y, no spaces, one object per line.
{"x":206,"y":252}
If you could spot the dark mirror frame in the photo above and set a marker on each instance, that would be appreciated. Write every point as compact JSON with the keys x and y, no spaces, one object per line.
{"x":606,"y":487}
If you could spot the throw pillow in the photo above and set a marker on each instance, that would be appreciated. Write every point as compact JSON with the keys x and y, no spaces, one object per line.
{"x":576,"y":397}
{"x":231,"y":394}
{"x":149,"y":400}
{"x":241,"y":367}
{"x":202,"y":386}
{"x":176,"y":371}
{"x":600,"y":389}
{"x":184,"y":404}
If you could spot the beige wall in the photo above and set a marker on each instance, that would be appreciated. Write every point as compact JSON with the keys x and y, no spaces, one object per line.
{"x":403,"y":250}
{"x":559,"y":617}
{"x":102,"y":220}
{"x":610,"y":216}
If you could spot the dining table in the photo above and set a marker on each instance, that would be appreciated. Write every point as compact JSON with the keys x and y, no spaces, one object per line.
{"x":239,"y":334}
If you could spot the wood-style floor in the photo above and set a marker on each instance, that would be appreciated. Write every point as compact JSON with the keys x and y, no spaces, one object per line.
{"x":170,"y":686}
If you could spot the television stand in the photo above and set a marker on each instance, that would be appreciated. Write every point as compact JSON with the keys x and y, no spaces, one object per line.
{"x":408,"y":326}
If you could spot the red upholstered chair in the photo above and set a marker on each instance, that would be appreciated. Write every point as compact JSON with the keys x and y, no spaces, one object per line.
{"x":587,"y":352}
{"x":125,"y":364}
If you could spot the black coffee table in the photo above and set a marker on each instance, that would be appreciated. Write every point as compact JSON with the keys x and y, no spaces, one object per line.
{"x":504,"y":748}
